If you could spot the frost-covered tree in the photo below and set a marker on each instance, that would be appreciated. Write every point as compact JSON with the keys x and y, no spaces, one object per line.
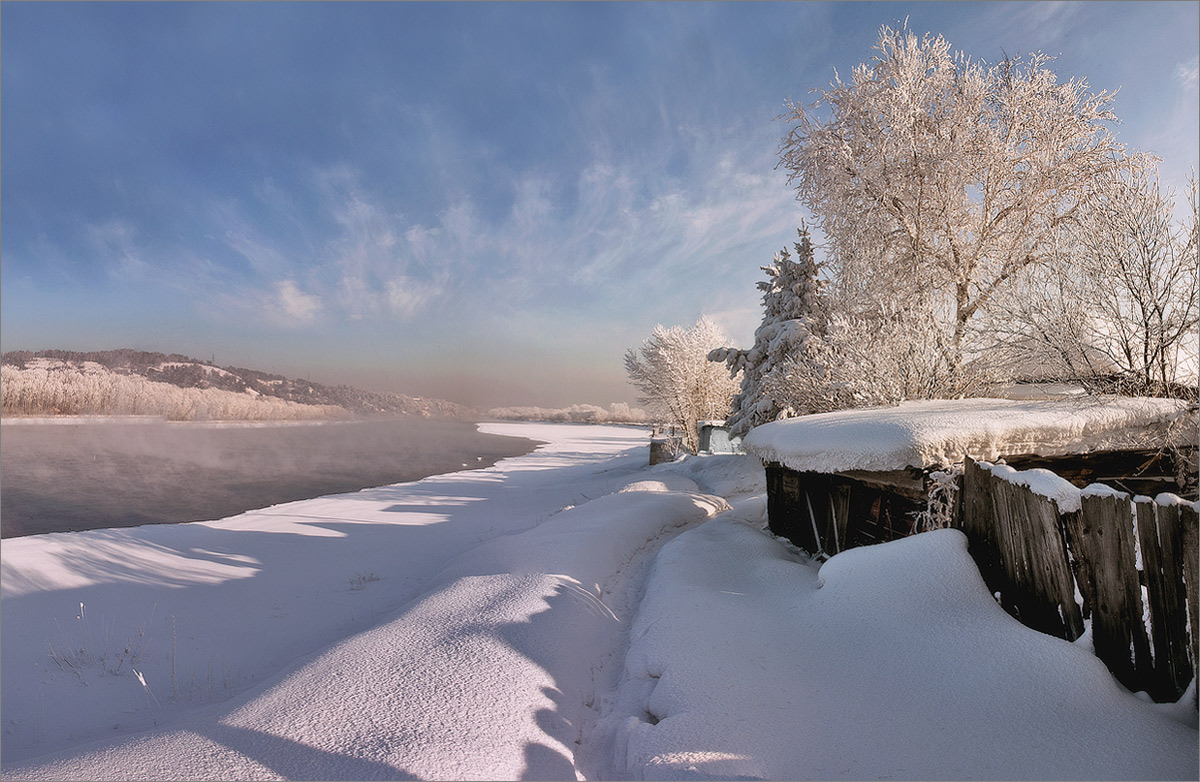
{"x":786,"y":345}
{"x":1121,"y":301}
{"x":878,"y":357}
{"x":937,"y":179}
{"x":678,"y":384}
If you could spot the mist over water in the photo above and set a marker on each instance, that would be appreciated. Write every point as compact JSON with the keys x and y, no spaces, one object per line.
{"x":59,"y":477}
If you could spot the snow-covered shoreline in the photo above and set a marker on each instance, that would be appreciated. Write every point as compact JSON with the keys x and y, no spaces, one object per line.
{"x":520,"y":621}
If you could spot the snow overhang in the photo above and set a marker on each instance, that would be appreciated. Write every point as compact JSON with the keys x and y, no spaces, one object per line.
{"x":941,"y":432}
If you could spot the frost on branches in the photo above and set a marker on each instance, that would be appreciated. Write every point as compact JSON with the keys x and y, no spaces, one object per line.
{"x":1118,"y":306}
{"x":937,"y":180}
{"x":782,"y":374}
{"x":678,"y":384}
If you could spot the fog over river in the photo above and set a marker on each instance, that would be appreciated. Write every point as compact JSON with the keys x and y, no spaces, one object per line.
{"x":58,"y":475}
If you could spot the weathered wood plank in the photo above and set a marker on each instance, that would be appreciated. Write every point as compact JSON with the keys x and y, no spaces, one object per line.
{"x":816,"y":500}
{"x":976,"y":523}
{"x":908,"y":483}
{"x":1147,"y":471}
{"x":787,"y":511}
{"x":1147,"y":533}
{"x":840,"y":506}
{"x":1053,"y":584}
{"x":1009,"y":544}
{"x":1079,"y":542}
{"x":826,"y":517}
{"x":1160,"y":536}
{"x":1189,"y":538}
{"x":1103,"y":540}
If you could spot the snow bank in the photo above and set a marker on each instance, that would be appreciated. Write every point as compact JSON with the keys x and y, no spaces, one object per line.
{"x":209,"y":610}
{"x":732,"y":476}
{"x":488,"y":676}
{"x":889,"y":662}
{"x":939,"y":432}
{"x":526,"y":622}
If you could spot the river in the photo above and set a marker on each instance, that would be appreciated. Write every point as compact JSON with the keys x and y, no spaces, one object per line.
{"x":59,"y":475}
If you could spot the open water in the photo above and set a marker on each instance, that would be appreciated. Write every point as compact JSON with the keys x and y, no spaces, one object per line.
{"x":58,"y":475}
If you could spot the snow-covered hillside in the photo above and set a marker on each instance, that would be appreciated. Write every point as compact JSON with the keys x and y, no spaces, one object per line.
{"x":131,"y":382}
{"x":566,"y":614}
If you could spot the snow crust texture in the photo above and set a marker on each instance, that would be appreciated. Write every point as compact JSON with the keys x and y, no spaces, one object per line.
{"x":749,"y":661}
{"x":568,"y":614}
{"x":930,"y":433}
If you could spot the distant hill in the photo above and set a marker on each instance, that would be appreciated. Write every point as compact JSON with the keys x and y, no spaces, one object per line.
{"x":56,"y":369}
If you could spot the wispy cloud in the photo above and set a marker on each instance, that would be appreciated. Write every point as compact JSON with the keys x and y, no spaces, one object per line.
{"x":292,"y":305}
{"x":611,"y":234}
{"x":116,"y":243}
{"x":1187,"y":73}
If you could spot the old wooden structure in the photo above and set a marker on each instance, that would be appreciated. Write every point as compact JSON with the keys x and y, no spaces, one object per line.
{"x":827,"y":513}
{"x":839,"y":480}
{"x":1033,"y":554}
{"x":824,"y":513}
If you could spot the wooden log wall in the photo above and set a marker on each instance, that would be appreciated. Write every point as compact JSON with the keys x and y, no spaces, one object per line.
{"x":1035,"y":557}
{"x":828,"y":513}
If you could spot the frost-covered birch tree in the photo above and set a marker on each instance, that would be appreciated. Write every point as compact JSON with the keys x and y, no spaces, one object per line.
{"x":1120,"y":303}
{"x":678,"y":384}
{"x":938,"y":179}
{"x":782,"y":374}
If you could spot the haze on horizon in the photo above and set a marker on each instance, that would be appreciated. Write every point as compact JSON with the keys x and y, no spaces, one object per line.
{"x":484,"y":202}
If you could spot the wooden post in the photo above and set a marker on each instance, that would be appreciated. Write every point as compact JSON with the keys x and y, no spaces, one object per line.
{"x":1050,"y":594}
{"x":1190,"y":553}
{"x":1102,"y":537}
{"x":1033,"y":575}
{"x":839,"y":504}
{"x":1161,"y":538}
{"x":976,"y":523}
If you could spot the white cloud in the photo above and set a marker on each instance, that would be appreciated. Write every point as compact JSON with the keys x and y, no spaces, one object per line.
{"x":661,"y":232}
{"x":407,"y":297}
{"x":1187,"y":73}
{"x":365,"y":263}
{"x":1038,"y":26}
{"x":293,"y":305}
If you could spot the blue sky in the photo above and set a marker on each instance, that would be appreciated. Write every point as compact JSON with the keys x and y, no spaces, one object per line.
{"x":484,"y":202}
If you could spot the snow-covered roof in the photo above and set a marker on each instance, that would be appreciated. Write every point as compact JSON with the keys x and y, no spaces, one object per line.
{"x":928,"y":433}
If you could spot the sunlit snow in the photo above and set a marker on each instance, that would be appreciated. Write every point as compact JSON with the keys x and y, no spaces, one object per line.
{"x":571,"y":613}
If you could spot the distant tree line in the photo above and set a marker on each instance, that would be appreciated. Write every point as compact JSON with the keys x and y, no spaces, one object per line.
{"x":181,"y":372}
{"x":615,"y":413}
{"x":50,"y":387}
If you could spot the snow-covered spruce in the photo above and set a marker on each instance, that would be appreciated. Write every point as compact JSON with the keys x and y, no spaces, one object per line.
{"x":782,"y":375}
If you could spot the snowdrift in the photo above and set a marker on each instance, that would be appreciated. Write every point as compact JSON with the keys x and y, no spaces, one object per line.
{"x":566,"y":614}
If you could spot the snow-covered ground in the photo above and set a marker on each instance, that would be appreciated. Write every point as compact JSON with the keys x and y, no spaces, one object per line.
{"x":566,"y":614}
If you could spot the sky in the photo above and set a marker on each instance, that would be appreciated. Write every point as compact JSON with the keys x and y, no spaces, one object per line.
{"x":484,"y":202}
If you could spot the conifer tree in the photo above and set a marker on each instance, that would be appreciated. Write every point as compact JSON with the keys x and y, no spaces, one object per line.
{"x":795,"y":321}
